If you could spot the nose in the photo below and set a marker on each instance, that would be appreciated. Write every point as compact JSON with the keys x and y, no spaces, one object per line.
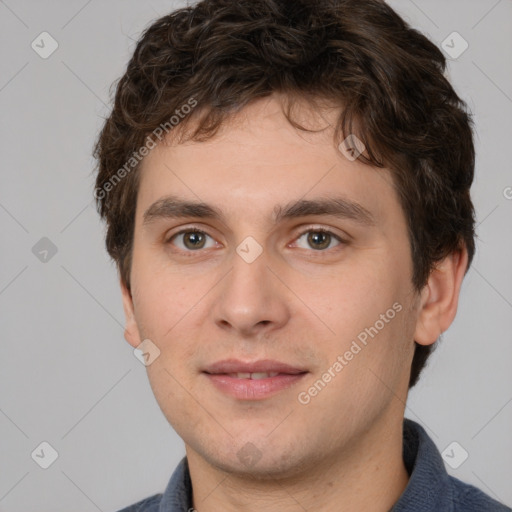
{"x":251,"y":300}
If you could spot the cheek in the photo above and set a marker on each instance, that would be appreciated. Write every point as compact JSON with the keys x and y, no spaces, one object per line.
{"x":353,"y":297}
{"x":367,"y":308}
{"x":161,"y":299}
{"x":166,"y":305}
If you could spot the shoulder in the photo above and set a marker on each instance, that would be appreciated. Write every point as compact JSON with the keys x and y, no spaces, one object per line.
{"x":467,"y":498}
{"x":150,"y":504}
{"x":430,"y":487}
{"x":177,"y":495}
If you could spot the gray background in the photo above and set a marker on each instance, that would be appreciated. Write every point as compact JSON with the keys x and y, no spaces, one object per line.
{"x":66,"y":374}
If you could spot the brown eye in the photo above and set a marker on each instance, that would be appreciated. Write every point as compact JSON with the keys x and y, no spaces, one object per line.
{"x":319,"y":239}
{"x":190,"y":240}
{"x":194,"y":240}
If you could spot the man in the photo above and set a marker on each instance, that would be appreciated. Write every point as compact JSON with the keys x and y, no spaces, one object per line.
{"x":286,"y":191}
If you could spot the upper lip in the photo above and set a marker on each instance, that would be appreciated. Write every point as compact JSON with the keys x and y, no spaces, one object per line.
{"x":261,"y":366}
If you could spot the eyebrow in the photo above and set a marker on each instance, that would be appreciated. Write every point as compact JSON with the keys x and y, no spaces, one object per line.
{"x":172,"y":207}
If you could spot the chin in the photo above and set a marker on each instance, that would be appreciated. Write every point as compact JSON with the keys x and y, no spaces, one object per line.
{"x":254,"y":459}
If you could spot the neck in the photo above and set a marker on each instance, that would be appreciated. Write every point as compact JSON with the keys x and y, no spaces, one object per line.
{"x":370,"y":475}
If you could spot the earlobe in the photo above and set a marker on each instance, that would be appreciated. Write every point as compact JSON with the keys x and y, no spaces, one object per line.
{"x":440,"y":297}
{"x":131,"y":329}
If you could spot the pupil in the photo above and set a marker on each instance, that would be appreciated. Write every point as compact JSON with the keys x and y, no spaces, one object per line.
{"x":319,"y":237}
{"x":194,"y":238}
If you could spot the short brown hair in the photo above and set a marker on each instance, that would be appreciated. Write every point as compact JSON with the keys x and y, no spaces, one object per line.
{"x":387,"y":79}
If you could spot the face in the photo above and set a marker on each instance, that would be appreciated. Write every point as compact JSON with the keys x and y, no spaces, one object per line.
{"x":284,"y":312}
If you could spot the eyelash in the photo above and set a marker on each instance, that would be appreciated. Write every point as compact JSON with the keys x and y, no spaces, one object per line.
{"x":310,"y":229}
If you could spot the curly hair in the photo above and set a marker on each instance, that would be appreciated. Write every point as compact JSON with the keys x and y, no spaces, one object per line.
{"x":387,"y":79}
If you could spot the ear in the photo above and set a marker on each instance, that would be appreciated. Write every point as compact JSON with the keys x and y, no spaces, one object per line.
{"x":131,"y":329}
{"x":440,"y":297}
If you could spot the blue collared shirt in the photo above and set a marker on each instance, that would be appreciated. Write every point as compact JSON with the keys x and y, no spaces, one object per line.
{"x":430,"y":488}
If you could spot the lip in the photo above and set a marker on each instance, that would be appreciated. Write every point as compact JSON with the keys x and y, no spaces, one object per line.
{"x":262,"y":365}
{"x":253,"y":389}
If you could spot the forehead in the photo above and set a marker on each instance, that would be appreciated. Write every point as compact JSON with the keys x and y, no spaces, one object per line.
{"x":259,"y":162}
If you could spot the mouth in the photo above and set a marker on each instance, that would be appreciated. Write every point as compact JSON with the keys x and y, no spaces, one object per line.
{"x":253,"y":380}
{"x":254,"y":376}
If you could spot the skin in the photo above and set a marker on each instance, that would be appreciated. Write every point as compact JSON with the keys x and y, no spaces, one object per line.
{"x":294,"y":303}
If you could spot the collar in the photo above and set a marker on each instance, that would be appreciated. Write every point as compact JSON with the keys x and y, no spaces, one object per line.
{"x":429,"y":488}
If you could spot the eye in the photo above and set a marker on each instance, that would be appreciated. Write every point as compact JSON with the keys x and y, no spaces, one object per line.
{"x":191,"y":240}
{"x":320,"y":239}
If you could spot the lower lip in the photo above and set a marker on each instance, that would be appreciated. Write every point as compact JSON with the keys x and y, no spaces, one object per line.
{"x":253,"y":389}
